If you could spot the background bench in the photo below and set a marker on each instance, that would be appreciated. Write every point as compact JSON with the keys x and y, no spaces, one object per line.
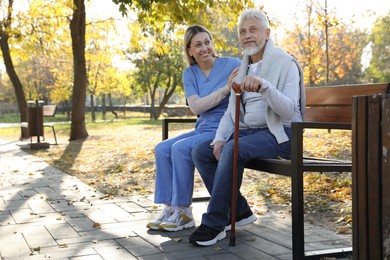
{"x":35,"y":123}
{"x":328,"y":107}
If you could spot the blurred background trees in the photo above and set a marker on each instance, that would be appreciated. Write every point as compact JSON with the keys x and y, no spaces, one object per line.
{"x":379,"y":68}
{"x":137,"y":58}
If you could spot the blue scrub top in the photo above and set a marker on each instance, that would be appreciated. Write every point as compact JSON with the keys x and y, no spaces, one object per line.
{"x":196,"y":83}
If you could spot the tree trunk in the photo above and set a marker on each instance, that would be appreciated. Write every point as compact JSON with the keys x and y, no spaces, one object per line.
{"x":124,"y":107}
{"x":152,"y":89}
{"x":167,"y":95}
{"x":104,"y":106}
{"x":93,"y":109}
{"x":111,"y":108}
{"x":68,"y":113}
{"x":153,"y":113}
{"x":169,"y":91}
{"x":77,"y":31}
{"x":4,"y":45}
{"x":327,"y":42}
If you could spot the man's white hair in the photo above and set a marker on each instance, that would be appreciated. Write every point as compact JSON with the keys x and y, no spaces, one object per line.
{"x":254,"y":13}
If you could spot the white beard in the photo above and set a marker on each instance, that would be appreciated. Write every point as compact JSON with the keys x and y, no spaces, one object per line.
{"x":253,"y":50}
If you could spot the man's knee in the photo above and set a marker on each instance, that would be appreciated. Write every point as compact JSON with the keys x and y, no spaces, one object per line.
{"x":201,"y":150}
{"x":228,"y":149}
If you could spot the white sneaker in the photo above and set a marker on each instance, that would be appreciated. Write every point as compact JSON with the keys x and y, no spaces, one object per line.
{"x":246,"y":220}
{"x":178,"y":220}
{"x":167,"y":212}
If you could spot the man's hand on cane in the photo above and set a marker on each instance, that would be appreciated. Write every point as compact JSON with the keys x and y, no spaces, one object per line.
{"x":251,"y":84}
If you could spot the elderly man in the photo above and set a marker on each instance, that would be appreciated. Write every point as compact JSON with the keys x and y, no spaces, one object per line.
{"x":272,"y":97}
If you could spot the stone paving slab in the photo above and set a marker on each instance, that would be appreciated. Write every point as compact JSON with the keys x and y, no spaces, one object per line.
{"x":45,"y":213}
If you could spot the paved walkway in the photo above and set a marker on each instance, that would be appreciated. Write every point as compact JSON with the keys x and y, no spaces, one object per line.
{"x":45,"y":213}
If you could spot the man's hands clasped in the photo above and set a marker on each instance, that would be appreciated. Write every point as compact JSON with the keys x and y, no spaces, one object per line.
{"x":250,"y":83}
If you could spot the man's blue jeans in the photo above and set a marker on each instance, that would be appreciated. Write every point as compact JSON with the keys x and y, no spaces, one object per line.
{"x":218,"y":175}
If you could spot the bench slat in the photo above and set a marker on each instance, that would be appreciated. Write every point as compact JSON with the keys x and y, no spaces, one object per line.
{"x":49,"y":110}
{"x":341,"y":95}
{"x":328,"y":114}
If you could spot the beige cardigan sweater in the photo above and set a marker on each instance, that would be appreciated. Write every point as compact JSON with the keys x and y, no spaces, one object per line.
{"x":275,"y":67}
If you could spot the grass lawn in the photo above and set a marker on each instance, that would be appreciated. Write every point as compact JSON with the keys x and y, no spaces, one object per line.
{"x":117,"y":159}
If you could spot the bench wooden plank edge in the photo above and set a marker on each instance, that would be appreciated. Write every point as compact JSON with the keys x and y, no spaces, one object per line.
{"x":167,"y":121}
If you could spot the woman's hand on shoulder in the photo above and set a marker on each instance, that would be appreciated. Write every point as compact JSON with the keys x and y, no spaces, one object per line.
{"x":232,"y":76}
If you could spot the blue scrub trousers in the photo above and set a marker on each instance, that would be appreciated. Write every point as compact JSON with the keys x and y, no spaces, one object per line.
{"x":174,"y":168}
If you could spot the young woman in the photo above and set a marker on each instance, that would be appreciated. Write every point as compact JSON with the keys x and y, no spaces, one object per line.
{"x":207,"y":81}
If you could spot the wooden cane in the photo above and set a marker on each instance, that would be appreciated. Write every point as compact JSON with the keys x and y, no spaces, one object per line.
{"x":237,"y":90}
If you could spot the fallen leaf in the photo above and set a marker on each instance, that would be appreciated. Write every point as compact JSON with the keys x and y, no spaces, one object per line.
{"x":97,"y":225}
{"x":342,"y":231}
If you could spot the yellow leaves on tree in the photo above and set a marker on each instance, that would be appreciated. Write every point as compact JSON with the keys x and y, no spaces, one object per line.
{"x":306,"y":41}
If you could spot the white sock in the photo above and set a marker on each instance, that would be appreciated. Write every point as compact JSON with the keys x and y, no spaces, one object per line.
{"x":187,"y":210}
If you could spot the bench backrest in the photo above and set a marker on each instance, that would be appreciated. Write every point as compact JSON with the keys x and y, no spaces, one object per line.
{"x":49,"y":110}
{"x":334,"y":103}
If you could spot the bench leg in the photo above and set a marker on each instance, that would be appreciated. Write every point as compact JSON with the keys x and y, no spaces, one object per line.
{"x":298,"y":228}
{"x":298,"y":225}
{"x":54,"y":132}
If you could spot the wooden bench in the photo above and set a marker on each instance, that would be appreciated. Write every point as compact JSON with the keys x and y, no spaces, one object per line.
{"x":371,"y":177}
{"x":38,"y":126}
{"x":328,"y":107}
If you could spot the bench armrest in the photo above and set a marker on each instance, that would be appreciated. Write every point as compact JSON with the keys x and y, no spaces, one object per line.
{"x":166,"y":121}
{"x":297,"y":131}
{"x":322,"y":125}
{"x":299,"y":125}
